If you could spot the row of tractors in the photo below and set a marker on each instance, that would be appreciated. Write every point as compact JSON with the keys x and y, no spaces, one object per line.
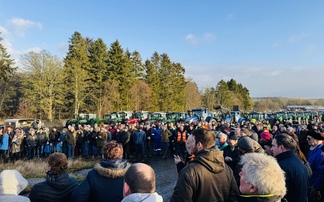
{"x":199,"y":115}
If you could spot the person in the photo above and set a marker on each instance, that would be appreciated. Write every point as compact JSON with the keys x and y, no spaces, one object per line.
{"x":140,"y":184}
{"x":71,"y":141}
{"x":261,"y":178}
{"x":139,"y":138}
{"x":106,"y":180}
{"x":222,"y":140}
{"x":206,"y":177}
{"x":4,"y":145}
{"x":283,"y":149}
{"x":230,"y":153}
{"x":31,"y":142}
{"x":58,"y":186}
{"x":314,"y":158}
{"x":165,"y":141}
{"x":178,"y":160}
{"x":12,"y":183}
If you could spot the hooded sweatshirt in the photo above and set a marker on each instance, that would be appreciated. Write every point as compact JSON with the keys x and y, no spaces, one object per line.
{"x":206,"y":178}
{"x":143,"y":197}
{"x":11,"y":184}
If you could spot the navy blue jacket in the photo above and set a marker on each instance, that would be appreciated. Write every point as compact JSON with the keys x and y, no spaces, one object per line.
{"x":296,"y":176}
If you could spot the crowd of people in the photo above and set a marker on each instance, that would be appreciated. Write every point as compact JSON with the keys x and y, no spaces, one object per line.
{"x":215,"y":161}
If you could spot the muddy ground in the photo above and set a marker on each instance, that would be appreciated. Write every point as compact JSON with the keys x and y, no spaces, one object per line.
{"x":165,"y":171}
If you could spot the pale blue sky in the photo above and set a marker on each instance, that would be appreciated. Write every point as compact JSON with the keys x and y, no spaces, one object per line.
{"x":274,"y":48}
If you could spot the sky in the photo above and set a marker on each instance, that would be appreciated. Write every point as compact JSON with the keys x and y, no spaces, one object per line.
{"x":273,"y":48}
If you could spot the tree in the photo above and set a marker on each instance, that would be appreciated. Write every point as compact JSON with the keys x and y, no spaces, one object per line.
{"x":209,"y":98}
{"x":75,"y":68}
{"x":43,"y":83}
{"x":98,"y":72}
{"x":192,"y":95}
{"x":6,"y":64}
{"x":140,"y":94}
{"x":166,"y":79}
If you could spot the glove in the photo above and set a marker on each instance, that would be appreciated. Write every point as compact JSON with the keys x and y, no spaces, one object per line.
{"x":315,"y":195}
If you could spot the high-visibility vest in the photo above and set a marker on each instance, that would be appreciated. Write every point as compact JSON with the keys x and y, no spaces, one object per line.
{"x":184,"y":137}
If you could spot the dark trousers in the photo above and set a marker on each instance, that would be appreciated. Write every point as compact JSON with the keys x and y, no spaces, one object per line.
{"x":139,"y":152}
{"x":31,"y":152}
{"x":3,"y":154}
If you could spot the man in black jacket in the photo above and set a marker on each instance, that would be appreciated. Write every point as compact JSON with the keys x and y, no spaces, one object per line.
{"x":206,"y":177}
{"x":283,"y":148}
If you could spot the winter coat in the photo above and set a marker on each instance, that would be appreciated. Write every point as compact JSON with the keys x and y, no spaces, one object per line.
{"x":124,"y":137}
{"x":165,"y":135}
{"x":15,"y":147}
{"x":56,"y":187}
{"x":101,"y":139}
{"x":234,"y":154}
{"x":206,"y":178}
{"x":42,"y":139}
{"x":315,"y":159}
{"x":71,"y":137}
{"x":11,"y":184}
{"x":53,"y":136}
{"x":4,"y":143}
{"x":146,"y":197}
{"x":139,"y":137}
{"x":296,"y":176}
{"x":104,"y":182}
{"x":31,"y":140}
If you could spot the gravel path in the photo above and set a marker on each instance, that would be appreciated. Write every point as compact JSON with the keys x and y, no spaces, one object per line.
{"x":165,"y":171}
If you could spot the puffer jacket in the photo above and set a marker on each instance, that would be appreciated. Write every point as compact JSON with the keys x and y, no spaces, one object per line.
{"x":58,"y":187}
{"x":206,"y":178}
{"x":104,"y":182}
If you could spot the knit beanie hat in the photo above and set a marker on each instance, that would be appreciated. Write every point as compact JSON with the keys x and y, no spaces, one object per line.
{"x":246,"y":144}
{"x":265,"y":135}
{"x":232,"y":136}
{"x":12,"y":182}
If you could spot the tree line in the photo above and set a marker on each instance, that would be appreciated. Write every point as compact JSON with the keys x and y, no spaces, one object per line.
{"x":95,"y":78}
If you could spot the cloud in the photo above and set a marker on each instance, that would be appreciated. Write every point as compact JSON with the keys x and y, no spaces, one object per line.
{"x":296,"y":38}
{"x":275,"y":73}
{"x":206,"y":38}
{"x":20,"y":25}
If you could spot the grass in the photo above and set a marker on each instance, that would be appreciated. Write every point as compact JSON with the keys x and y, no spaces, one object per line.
{"x":36,"y":168}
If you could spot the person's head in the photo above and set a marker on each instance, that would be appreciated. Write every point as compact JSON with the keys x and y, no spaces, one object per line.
{"x":139,"y":178}
{"x":57,"y":163}
{"x":32,"y":131}
{"x":237,"y":131}
{"x":314,"y":138}
{"x":113,"y":150}
{"x":282,"y":143}
{"x":245,"y":145}
{"x":190,"y":144}
{"x":261,"y":174}
{"x":232,"y":139}
{"x":267,"y":145}
{"x":222,"y":138}
{"x":274,"y":128}
{"x":204,"y":139}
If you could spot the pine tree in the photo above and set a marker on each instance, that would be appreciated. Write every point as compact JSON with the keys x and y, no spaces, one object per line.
{"x":6,"y":64}
{"x":75,"y":68}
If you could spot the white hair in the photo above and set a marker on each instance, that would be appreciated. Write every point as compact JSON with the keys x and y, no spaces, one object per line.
{"x":264,"y":172}
{"x":222,"y":135}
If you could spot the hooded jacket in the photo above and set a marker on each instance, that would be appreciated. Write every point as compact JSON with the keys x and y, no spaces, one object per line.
{"x":146,"y":197}
{"x":104,"y":182}
{"x":206,"y":178}
{"x":11,"y":184}
{"x":56,"y":187}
